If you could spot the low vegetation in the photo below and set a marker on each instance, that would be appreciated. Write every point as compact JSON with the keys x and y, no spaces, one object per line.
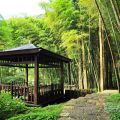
{"x":10,"y":107}
{"x":37,"y":113}
{"x":15,"y":109}
{"x":113,"y":106}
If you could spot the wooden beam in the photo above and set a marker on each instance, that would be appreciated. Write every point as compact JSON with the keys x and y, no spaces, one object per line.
{"x":24,"y":62}
{"x":26,"y":75}
{"x":62,"y":77}
{"x":47,"y":66}
{"x":36,"y":78}
{"x":69,"y":75}
{"x":8,"y":65}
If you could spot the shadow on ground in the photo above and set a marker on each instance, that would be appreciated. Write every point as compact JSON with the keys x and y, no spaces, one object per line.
{"x":69,"y":94}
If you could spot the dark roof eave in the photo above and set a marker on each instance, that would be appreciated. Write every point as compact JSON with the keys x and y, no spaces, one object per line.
{"x":19,"y":52}
{"x":35,"y":51}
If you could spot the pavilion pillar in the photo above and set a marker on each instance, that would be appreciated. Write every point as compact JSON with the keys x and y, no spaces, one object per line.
{"x":26,"y":75}
{"x":62,"y":77}
{"x":36,"y":79}
{"x":69,"y":75}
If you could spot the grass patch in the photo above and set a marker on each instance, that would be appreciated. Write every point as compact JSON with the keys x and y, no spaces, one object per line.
{"x":112,"y":106}
{"x":38,"y":113}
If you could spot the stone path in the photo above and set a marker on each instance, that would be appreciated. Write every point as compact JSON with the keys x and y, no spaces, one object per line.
{"x":90,"y":107}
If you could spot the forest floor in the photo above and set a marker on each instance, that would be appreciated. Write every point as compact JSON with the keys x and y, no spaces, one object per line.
{"x":90,"y":107}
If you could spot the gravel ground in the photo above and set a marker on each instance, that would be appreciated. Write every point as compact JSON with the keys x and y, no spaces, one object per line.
{"x":90,"y":107}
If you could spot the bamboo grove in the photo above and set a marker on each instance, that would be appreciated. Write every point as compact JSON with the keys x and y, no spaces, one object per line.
{"x":87,"y":31}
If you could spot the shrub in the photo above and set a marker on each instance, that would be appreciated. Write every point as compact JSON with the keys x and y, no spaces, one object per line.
{"x":112,"y":106}
{"x":15,"y":109}
{"x":10,"y":107}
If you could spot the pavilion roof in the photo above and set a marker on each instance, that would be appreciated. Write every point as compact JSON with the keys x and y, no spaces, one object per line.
{"x":23,"y":47}
{"x":31,"y":50}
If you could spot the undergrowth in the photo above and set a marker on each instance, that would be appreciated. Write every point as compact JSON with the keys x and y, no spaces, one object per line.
{"x":112,"y":106}
{"x":37,"y":113}
{"x":15,"y":109}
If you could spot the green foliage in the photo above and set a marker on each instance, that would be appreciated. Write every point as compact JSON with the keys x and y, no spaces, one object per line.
{"x":10,"y":74}
{"x":17,"y":78}
{"x":22,"y":31}
{"x":10,"y":107}
{"x":30,"y":30}
{"x":38,"y":113}
{"x":70,"y":41}
{"x":61,"y":15}
{"x":115,"y":99}
{"x":110,"y":20}
{"x":112,"y":106}
{"x":5,"y":34}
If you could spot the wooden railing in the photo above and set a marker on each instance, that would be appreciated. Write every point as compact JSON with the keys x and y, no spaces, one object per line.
{"x":71,"y":87}
{"x":46,"y":92}
{"x":17,"y":90}
{"x":45,"y":89}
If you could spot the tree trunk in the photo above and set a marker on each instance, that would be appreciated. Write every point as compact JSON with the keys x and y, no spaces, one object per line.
{"x":101,"y":38}
{"x":84,"y":66}
{"x":110,"y":73}
{"x":115,"y":13}
{"x":106,"y":67}
{"x":80,"y":78}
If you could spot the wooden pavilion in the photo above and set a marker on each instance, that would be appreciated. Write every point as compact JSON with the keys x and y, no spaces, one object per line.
{"x":30,"y":56}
